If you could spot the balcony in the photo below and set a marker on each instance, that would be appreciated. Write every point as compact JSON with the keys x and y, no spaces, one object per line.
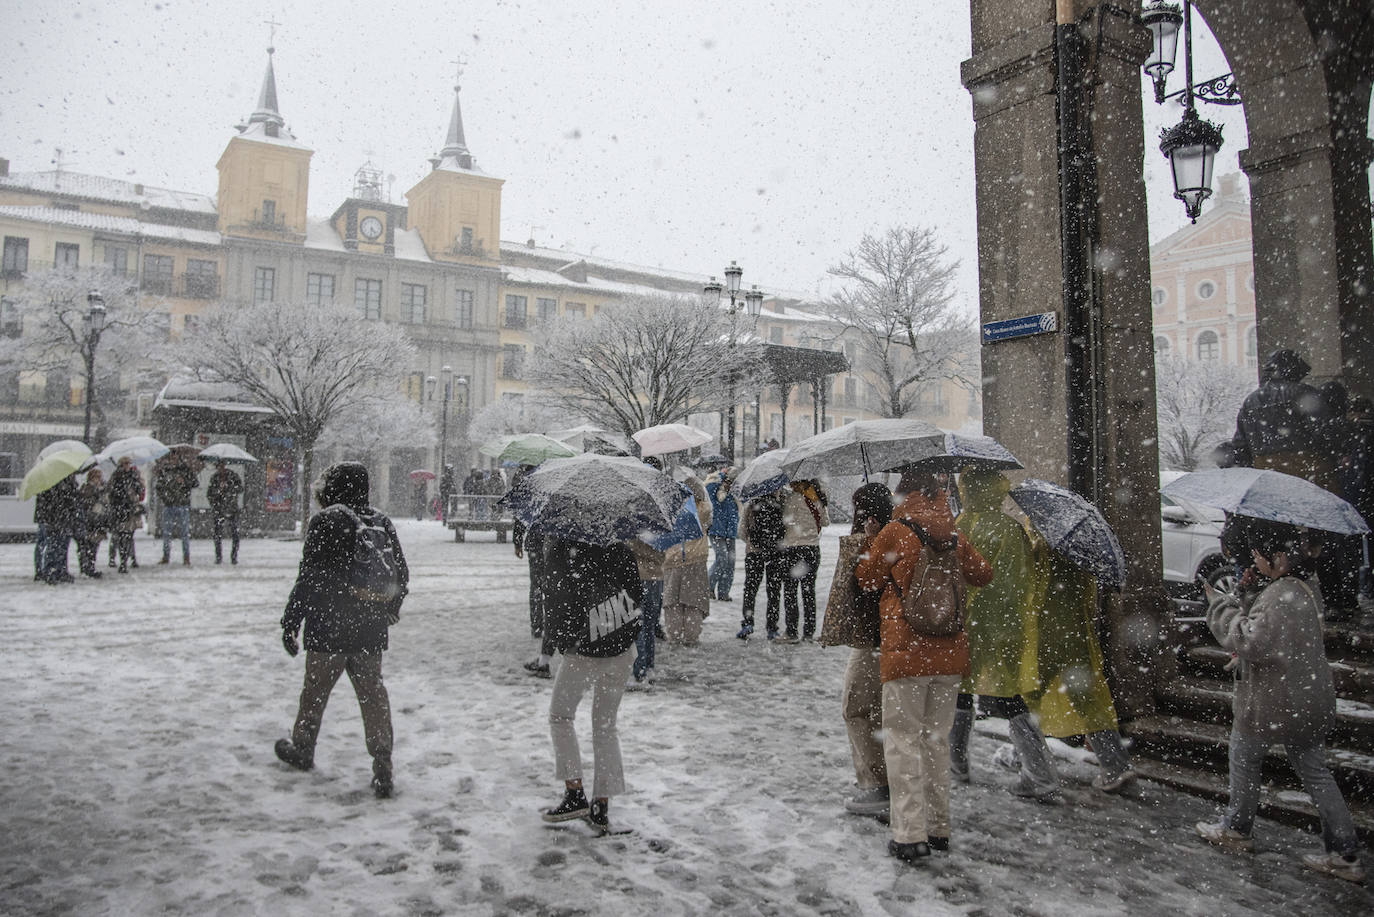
{"x":159,"y":284}
{"x":519,"y":322}
{"x":200,"y":286}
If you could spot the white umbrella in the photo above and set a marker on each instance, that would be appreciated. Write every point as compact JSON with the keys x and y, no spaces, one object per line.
{"x":763,"y":475}
{"x":862,"y":447}
{"x":583,"y":437}
{"x":1267,"y":494}
{"x":225,"y":452}
{"x":52,"y":468}
{"x":62,"y":445}
{"x":140,"y":449}
{"x":669,"y":437}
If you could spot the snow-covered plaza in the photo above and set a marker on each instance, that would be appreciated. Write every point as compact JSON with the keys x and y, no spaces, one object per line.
{"x":140,"y":711}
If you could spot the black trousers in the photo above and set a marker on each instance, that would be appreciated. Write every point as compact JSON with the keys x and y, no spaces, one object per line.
{"x":801,"y":563}
{"x":231,"y":520}
{"x":762,"y":568}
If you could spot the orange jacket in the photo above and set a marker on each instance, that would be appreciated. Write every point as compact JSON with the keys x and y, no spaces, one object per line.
{"x":889,"y":559}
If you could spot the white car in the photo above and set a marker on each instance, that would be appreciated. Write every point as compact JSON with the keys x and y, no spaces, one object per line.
{"x":1191,"y":536}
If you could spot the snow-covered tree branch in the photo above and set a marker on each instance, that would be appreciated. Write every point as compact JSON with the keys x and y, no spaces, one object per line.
{"x":646,"y":361}
{"x":897,"y":303}
{"x":311,"y":365}
{"x":1196,"y":404}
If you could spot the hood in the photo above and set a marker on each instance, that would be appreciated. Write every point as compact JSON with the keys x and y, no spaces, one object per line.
{"x":983,"y":491}
{"x":343,"y":482}
{"x":1285,"y":365}
{"x":930,"y":513}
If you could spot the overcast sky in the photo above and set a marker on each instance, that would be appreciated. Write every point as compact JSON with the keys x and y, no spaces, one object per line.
{"x":655,"y":132}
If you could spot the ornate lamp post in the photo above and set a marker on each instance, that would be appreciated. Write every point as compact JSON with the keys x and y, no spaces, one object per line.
{"x":448,"y":380}
{"x":94,"y":322}
{"x":753,"y":304}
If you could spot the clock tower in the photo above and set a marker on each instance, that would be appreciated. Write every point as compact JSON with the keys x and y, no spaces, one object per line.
{"x":457,"y":207}
{"x":367,"y":221}
{"x":264,"y":174}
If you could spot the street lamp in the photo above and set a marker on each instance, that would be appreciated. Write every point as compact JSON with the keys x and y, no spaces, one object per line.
{"x":1191,"y":145}
{"x":447,"y":373}
{"x":94,"y":325}
{"x":753,"y":304}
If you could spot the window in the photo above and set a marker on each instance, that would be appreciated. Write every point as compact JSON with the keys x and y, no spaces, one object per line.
{"x":465,"y":240}
{"x":157,"y":273}
{"x":319,"y":289}
{"x":202,"y":278}
{"x":1206,"y":290}
{"x":269,"y":212}
{"x":16,"y":255}
{"x":117,"y":258}
{"x":413,"y":303}
{"x":1161,"y":346}
{"x":575,"y":309}
{"x":516,"y":309}
{"x":547,"y":309}
{"x":463,"y":310}
{"x":775,"y":334}
{"x":512,"y":361}
{"x":1251,"y":348}
{"x":11,"y":324}
{"x":67,"y":255}
{"x":1208,"y":348}
{"x":851,"y":392}
{"x":1158,"y":297}
{"x":264,"y":284}
{"x":367,"y":296}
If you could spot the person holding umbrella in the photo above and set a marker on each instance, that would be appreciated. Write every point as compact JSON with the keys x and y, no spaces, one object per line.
{"x":94,"y":498}
{"x":223,"y":494}
{"x":725,"y":511}
{"x":174,"y":481}
{"x":1283,"y":692}
{"x":804,"y":514}
{"x":126,"y":511}
{"x":920,"y":673}
{"x":57,"y":511}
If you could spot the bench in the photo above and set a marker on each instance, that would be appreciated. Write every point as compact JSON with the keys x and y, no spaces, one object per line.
{"x":478,"y":513}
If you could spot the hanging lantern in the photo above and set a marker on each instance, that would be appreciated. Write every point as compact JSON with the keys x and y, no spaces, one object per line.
{"x":1191,"y":146}
{"x":1163,"y":20}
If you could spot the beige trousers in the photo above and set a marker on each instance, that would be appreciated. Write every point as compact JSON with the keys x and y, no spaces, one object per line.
{"x":917,"y":716}
{"x":861,"y":704}
{"x":605,"y":678}
{"x":322,"y":671}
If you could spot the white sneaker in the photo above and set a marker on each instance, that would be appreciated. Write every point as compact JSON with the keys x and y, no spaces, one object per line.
{"x":1222,"y":836}
{"x":1121,"y":783}
{"x":873,"y":800}
{"x":1006,"y":756}
{"x":1333,"y":864}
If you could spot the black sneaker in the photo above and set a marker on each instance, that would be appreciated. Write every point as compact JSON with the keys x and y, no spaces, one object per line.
{"x":574,"y":805}
{"x":599,"y":815}
{"x":382,"y":786}
{"x":939,"y":843}
{"x":293,"y":755}
{"x":909,"y":853}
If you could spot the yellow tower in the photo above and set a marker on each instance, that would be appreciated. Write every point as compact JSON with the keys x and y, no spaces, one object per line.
{"x":264,"y":174}
{"x":456,"y":207}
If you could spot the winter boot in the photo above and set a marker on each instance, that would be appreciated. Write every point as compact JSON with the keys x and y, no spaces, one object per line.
{"x":295,"y":756}
{"x":959,"y":735}
{"x":1038,"y":777}
{"x":599,"y":815}
{"x":909,"y":853}
{"x":382,"y":785}
{"x":574,"y":805}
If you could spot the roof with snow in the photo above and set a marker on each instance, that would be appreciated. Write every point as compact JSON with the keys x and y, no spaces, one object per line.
{"x":181,"y":392}
{"x":100,"y":188}
{"x":106,"y":223}
{"x":321,"y":235}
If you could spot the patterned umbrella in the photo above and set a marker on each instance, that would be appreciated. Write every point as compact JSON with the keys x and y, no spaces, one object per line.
{"x":1074,"y":528}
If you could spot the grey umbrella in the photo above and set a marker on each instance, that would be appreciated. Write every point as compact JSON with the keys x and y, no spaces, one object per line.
{"x":1265,"y":494}
{"x":1073,"y":527}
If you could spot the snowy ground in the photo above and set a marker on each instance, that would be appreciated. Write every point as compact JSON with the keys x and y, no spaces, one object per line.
{"x":139,"y":715}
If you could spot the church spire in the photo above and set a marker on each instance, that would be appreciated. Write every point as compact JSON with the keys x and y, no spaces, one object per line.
{"x":266,"y":112}
{"x":455,"y":154}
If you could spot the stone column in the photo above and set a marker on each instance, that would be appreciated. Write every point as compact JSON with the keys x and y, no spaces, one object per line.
{"x":1012,"y":78}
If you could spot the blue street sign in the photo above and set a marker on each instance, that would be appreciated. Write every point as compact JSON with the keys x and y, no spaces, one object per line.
{"x":1008,"y":328}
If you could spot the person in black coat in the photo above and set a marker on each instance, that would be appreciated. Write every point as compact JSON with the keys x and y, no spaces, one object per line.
{"x":1281,"y":424}
{"x":591,"y":615}
{"x":345,"y":627}
{"x":223,"y":494}
{"x":57,"y":511}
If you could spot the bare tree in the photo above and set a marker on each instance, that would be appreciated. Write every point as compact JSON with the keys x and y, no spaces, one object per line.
{"x":645,"y":361}
{"x":897,"y":304}
{"x":310,"y":365}
{"x":369,"y":429}
{"x":50,"y":311}
{"x":506,"y":416}
{"x":1196,"y":404}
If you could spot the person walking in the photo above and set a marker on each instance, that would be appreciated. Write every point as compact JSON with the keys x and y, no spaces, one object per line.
{"x":57,"y":511}
{"x":94,"y":505}
{"x":686,"y":587}
{"x":804,"y":514}
{"x":173,"y":482}
{"x":861,"y":697}
{"x":1279,"y":425}
{"x":346,"y":616}
{"x":920,"y":673}
{"x":1283,"y":693}
{"x":725,"y":513}
{"x":593,"y":616}
{"x":529,"y":545}
{"x":223,"y":493}
{"x":649,"y":564}
{"x":1003,"y":636}
{"x":764,"y":561}
{"x":448,"y":487}
{"x":126,"y":512}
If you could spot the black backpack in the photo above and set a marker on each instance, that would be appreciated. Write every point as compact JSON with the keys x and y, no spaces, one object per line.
{"x":765,"y":523}
{"x":374,"y":576}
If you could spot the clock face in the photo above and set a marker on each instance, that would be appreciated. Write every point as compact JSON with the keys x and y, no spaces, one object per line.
{"x":371,"y":227}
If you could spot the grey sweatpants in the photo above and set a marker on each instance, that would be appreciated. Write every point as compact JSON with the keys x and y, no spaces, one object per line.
{"x":605,"y":678}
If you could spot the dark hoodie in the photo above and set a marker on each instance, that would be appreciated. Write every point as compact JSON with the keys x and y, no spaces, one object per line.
{"x":1283,"y":416}
{"x":335,"y":621}
{"x":592,"y":595}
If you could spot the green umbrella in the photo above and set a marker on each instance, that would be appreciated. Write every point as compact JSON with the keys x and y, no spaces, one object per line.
{"x":526,"y":448}
{"x":51,"y":469}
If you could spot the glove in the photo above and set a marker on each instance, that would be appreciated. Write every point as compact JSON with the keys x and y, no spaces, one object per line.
{"x":393,"y":611}
{"x":288,"y":641}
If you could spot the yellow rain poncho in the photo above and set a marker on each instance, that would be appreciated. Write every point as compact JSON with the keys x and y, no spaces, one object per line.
{"x":1002,"y":620}
{"x":1075,"y":699}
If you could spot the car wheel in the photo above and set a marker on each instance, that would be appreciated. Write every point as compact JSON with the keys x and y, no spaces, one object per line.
{"x":1221,"y":576}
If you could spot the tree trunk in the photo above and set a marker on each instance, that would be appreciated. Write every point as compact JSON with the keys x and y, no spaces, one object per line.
{"x":307,"y":477}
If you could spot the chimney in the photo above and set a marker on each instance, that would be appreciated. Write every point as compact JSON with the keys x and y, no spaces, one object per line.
{"x":4,"y":168}
{"x":138,"y":188}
